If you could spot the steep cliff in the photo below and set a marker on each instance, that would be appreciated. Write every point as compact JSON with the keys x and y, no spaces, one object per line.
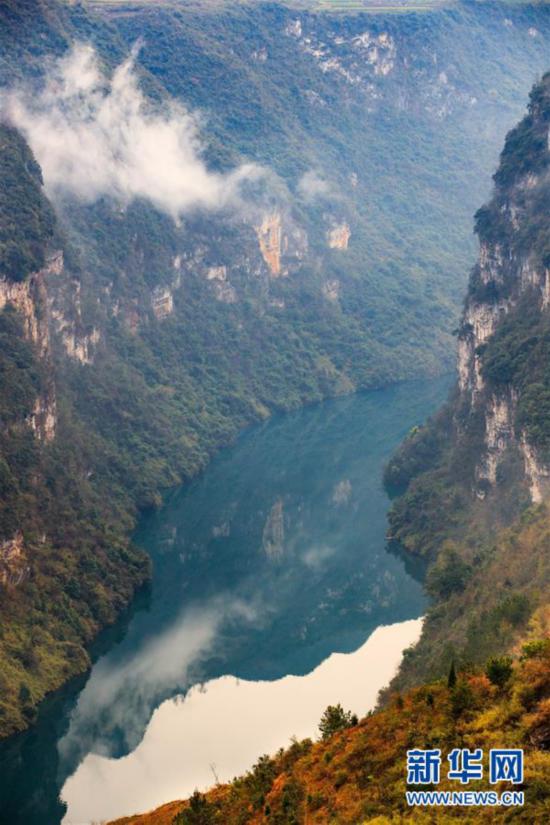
{"x":470,"y":480}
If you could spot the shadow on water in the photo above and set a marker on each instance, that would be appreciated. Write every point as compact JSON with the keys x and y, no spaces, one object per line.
{"x":271,"y":561}
{"x":415,"y":566}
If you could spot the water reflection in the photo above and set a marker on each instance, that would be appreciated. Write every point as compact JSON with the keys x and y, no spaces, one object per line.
{"x":219,"y":729}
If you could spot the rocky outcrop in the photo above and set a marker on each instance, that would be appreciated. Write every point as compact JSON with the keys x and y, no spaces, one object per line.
{"x":78,"y":343}
{"x":537,"y":473}
{"x":162,"y":302}
{"x":216,"y":273}
{"x":331,"y":289}
{"x":379,"y":51}
{"x":478,"y":325}
{"x":338,"y":236}
{"x":510,"y":279}
{"x":499,"y":434}
{"x":81,"y":347}
{"x":269,"y":238}
{"x":283,"y":243}
{"x":273,"y":537}
{"x":223,"y":290}
{"x":31,"y":299}
{"x":14,"y":565}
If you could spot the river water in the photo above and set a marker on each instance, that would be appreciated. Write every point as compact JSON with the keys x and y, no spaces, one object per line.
{"x":273,"y":595}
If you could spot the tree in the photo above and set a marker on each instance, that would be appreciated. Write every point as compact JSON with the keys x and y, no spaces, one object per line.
{"x":199,"y":812}
{"x":335,"y":718}
{"x":449,"y":575}
{"x":451,"y":679}
{"x":499,"y":670}
{"x":462,"y":698}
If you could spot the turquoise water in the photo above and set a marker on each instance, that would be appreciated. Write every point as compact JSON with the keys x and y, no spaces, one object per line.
{"x":271,"y":561}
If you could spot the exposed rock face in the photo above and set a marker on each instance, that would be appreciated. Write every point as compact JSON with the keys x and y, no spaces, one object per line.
{"x":372,"y":62}
{"x":81,"y":347}
{"x":217,"y":273}
{"x":162,"y":302}
{"x":14,"y":566}
{"x":499,"y":432}
{"x":30,"y":298}
{"x":331,"y":289}
{"x":274,"y":531}
{"x":77,"y":343}
{"x":338,"y":236}
{"x":269,"y":238}
{"x":223,"y":290}
{"x":379,"y":51}
{"x":283,"y":243}
{"x":510,"y":278}
{"x":342,"y":492}
{"x":538,"y":474}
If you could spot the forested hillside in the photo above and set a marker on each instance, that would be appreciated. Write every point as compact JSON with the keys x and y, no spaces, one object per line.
{"x":242,"y":212}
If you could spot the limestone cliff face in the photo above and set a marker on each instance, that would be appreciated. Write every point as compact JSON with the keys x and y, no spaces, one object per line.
{"x":273,"y":538}
{"x":14,"y":565}
{"x":338,"y":236}
{"x":269,"y":238}
{"x":30,"y":298}
{"x":162,"y":302}
{"x":511,"y":279}
{"x":283,"y":244}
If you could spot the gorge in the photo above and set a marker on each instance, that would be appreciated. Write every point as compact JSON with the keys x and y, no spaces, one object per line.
{"x":211,"y":216}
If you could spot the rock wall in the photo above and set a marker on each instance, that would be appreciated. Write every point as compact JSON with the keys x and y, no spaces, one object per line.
{"x":30,"y":298}
{"x":14,"y":566}
{"x":269,"y":234}
{"x":510,"y":274}
{"x":338,"y":236}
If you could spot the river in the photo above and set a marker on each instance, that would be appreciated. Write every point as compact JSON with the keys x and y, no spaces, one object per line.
{"x":273,"y":595}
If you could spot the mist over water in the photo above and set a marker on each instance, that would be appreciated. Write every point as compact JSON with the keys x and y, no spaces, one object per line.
{"x":268,"y":564}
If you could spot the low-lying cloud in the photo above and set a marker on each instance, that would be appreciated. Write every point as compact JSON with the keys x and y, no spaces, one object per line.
{"x":96,"y":136}
{"x":311,"y":186}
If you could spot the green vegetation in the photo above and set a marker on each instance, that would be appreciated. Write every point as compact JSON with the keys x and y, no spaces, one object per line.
{"x":487,"y":548}
{"x":154,"y":397}
{"x":26,"y":217}
{"x":335,"y":718}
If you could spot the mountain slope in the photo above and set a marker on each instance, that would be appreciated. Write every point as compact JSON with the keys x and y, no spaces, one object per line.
{"x":479,"y":465}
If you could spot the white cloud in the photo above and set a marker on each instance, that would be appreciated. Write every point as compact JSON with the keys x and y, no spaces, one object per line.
{"x":311,"y":186}
{"x":96,"y":136}
{"x":315,"y":557}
